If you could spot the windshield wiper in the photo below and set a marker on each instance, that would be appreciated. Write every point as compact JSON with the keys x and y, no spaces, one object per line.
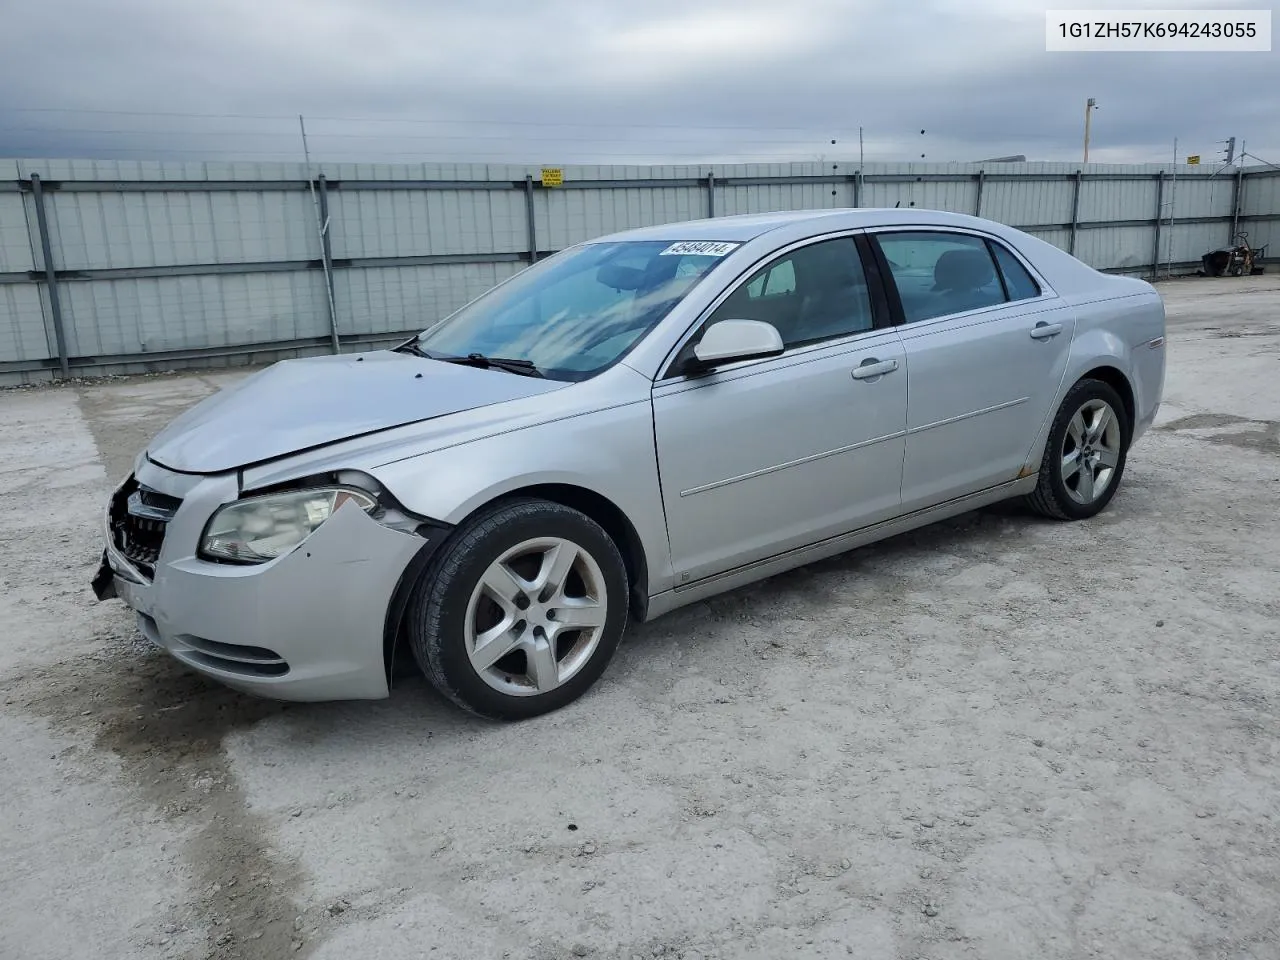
{"x":523,"y":367}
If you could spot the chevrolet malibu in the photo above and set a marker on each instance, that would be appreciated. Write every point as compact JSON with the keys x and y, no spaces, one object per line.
{"x":634,"y":424}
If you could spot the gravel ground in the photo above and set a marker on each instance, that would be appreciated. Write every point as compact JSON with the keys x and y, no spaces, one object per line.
{"x":994,"y":738}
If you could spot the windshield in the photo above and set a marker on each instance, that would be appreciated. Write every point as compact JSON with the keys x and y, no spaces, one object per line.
{"x":579,"y":312}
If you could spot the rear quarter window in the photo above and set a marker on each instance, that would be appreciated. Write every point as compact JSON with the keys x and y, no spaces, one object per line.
{"x":1020,"y":283}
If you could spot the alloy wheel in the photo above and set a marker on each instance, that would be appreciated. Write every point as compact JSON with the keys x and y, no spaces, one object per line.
{"x":1090,"y":451}
{"x":536,"y":616}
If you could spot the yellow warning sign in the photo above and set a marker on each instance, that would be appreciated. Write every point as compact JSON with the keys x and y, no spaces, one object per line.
{"x":552,"y":177}
{"x":1195,"y":159}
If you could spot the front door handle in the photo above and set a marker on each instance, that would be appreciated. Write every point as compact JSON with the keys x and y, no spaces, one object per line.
{"x":871,"y":367}
{"x":1043,"y":331}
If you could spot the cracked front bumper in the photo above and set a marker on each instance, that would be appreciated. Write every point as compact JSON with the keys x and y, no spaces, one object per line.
{"x":309,"y":625}
{"x":104,"y":581}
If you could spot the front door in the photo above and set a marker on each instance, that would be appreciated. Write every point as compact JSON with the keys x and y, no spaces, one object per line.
{"x":768,"y":455}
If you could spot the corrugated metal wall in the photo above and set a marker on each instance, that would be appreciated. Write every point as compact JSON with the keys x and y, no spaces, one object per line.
{"x":163,"y":264}
{"x":23,"y":336}
{"x":1262,"y":200}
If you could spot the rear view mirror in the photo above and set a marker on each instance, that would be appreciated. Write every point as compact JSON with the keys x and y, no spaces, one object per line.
{"x":620,"y":277}
{"x":732,"y":340}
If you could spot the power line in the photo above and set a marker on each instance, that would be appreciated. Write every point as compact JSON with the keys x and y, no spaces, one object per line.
{"x":148,"y":113}
{"x":1265,"y":163}
{"x":29,"y":151}
{"x":410,"y":120}
{"x":278,"y":135}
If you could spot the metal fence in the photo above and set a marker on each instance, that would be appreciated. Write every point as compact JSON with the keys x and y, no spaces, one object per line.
{"x":115,"y":267}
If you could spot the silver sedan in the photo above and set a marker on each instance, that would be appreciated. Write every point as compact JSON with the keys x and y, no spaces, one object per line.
{"x":634,"y":424}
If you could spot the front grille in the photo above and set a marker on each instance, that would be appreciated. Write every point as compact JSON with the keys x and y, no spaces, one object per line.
{"x":158,"y":501}
{"x":139,"y":517}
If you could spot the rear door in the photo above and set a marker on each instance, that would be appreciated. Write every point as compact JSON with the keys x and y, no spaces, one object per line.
{"x":986,"y":344}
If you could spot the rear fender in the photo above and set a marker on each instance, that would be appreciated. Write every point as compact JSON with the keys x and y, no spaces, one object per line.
{"x":1091,"y":348}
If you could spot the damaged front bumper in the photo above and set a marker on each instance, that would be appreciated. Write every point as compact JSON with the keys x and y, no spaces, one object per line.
{"x":308,"y":625}
{"x":104,"y":581}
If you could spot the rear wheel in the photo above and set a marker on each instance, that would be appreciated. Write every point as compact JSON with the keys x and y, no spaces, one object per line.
{"x":522,"y":611}
{"x":1085,"y":455}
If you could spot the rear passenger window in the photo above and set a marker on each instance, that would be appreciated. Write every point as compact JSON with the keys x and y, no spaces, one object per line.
{"x":1021,"y":285}
{"x":941,"y":273}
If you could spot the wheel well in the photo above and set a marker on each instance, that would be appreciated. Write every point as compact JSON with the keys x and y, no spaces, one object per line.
{"x":615,"y":523}
{"x":600,"y":509}
{"x":1120,"y":384}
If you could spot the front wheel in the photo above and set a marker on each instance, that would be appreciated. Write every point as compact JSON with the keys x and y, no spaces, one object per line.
{"x":1085,"y":455}
{"x":522,"y":611}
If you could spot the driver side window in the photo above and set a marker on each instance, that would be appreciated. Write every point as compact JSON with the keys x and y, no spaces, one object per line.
{"x":818,"y":292}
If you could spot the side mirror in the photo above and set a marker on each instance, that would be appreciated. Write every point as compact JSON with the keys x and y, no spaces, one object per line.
{"x":732,"y":340}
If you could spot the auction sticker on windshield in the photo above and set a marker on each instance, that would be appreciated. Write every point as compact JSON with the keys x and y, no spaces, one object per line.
{"x":700,"y":248}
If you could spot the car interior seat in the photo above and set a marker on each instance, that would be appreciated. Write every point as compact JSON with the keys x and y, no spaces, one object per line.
{"x":834,"y":295}
{"x":960,"y":278}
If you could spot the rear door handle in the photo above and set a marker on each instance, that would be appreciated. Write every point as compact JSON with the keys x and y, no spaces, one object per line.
{"x":871,"y":367}
{"x":1043,"y":331}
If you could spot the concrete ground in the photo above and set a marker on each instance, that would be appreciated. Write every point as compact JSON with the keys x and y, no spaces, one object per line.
{"x":997,"y":738}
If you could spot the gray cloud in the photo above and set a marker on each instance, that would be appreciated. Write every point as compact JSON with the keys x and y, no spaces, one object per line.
{"x":568,"y":81}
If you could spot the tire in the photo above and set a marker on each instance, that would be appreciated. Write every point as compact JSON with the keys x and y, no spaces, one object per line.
{"x":455,"y":616}
{"x":1060,"y":493}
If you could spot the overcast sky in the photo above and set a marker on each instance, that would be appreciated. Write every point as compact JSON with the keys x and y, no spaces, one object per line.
{"x":564,"y":81}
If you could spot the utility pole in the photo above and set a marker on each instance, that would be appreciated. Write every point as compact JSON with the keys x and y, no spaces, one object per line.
{"x":1090,"y":105}
{"x":859,"y":148}
{"x":1231,"y":150}
{"x":322,"y":223}
{"x":1173,"y":200}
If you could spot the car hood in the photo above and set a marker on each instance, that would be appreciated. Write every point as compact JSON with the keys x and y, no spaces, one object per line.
{"x":298,"y":405}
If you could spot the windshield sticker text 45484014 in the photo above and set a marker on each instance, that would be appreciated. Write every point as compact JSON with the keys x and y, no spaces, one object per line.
{"x":699,"y":248}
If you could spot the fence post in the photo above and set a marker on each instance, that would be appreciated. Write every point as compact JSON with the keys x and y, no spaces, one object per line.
{"x":528,"y":210}
{"x":1155,"y":258}
{"x":982,"y":179}
{"x":857,"y":188}
{"x":50,"y":275}
{"x":711,"y":194}
{"x":326,"y":260}
{"x":1075,"y":212}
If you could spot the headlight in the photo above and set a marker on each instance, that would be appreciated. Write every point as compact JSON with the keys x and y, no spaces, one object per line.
{"x":262,"y":528}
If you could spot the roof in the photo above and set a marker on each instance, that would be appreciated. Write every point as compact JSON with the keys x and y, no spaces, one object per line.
{"x":744,"y":227}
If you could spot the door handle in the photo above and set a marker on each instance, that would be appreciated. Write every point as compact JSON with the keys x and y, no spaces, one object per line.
{"x":1043,"y":331}
{"x":871,"y":367}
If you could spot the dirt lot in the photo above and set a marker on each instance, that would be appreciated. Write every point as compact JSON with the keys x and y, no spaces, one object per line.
{"x":998,"y":738}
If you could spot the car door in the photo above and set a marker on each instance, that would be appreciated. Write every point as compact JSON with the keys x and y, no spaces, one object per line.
{"x":767,"y":455}
{"x":986,"y":345}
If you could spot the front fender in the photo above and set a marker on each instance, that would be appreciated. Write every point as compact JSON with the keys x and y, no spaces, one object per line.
{"x":608,"y":452}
